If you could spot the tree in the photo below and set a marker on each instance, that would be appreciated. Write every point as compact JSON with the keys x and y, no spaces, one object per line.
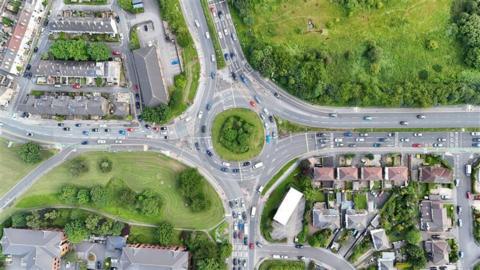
{"x":415,"y":256}
{"x":225,"y":250}
{"x":413,"y":236}
{"x":208,"y":264}
{"x":19,"y":220}
{"x":165,"y":233}
{"x":30,"y":152}
{"x":99,"y":195}
{"x":105,"y":165}
{"x":34,"y":221}
{"x":158,"y":114}
{"x":149,"y":203}
{"x":98,"y":51}
{"x":68,"y":194}
{"x":91,"y":222}
{"x":78,"y":166}
{"x":373,"y":52}
{"x":469,"y":31}
{"x":76,"y":231}
{"x":472,"y":57}
{"x":83,"y":196}
{"x":51,"y":215}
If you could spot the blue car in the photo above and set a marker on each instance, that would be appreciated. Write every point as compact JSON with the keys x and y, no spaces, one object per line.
{"x":348,"y":134}
{"x":85,"y":132}
{"x":377,"y":145}
{"x":267,"y":138}
{"x":84,"y":142}
{"x":122,"y":132}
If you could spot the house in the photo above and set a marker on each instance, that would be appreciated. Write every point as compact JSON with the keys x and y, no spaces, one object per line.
{"x":397,"y":175}
{"x":371,"y":173}
{"x":323,"y":176}
{"x":347,"y":173}
{"x":356,"y":219}
{"x":386,"y":262}
{"x":288,"y":206}
{"x":153,"y":257}
{"x":437,"y":251}
{"x":33,"y":249}
{"x":440,"y":175}
{"x":433,"y":216}
{"x":324,"y":218}
{"x":81,"y":25}
{"x":149,"y":74}
{"x":65,"y":105}
{"x":380,"y":239}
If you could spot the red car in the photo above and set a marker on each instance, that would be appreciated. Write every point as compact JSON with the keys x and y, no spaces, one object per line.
{"x":76,"y":86}
{"x":252,"y":103}
{"x":251,"y":246}
{"x":116,"y":53}
{"x":469,"y":195}
{"x":130,"y":129}
{"x":135,"y":87}
{"x":417,"y":145}
{"x":155,"y":129}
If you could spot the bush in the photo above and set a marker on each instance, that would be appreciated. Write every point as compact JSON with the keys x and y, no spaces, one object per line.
{"x":83,"y":196}
{"x":148,"y":203}
{"x":164,"y":233}
{"x":157,"y":114}
{"x":320,"y":238}
{"x":68,"y":194}
{"x":30,"y":152}
{"x":431,"y":44}
{"x":99,"y":195}
{"x":76,"y":231}
{"x":105,"y":165}
{"x":78,"y":166}
{"x":235,"y":134}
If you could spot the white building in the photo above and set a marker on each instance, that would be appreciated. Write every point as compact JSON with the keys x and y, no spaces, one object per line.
{"x":288,"y":206}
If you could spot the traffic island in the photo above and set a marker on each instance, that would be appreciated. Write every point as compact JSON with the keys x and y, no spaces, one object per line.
{"x":237,"y":134}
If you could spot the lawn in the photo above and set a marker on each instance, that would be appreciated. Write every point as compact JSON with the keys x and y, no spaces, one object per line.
{"x":401,"y":29}
{"x":282,"y":264}
{"x":254,"y":141}
{"x":360,"y":200}
{"x":12,"y":168}
{"x":139,"y":170}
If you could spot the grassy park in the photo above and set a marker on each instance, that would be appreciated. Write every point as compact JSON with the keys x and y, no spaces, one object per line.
{"x":139,"y":171}
{"x":237,"y":134}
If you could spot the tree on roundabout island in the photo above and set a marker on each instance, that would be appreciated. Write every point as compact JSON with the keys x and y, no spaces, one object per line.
{"x":237,"y":134}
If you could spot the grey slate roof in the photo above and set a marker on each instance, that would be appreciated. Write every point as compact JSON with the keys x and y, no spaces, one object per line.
{"x":439,"y":250}
{"x":145,"y":258}
{"x":326,"y":218}
{"x":356,"y":219}
{"x":150,"y":76}
{"x":433,"y":216}
{"x":380,"y":239}
{"x":70,"y":69}
{"x":35,"y":248}
{"x":84,"y":25}
{"x":65,"y":105}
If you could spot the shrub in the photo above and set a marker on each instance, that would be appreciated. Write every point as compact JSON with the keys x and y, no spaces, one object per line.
{"x":431,"y":44}
{"x":320,"y":238}
{"x":235,"y":134}
{"x":423,"y":74}
{"x":68,"y":194}
{"x":191,"y":185}
{"x":76,"y":231}
{"x":30,"y":152}
{"x":164,"y":233}
{"x":99,"y":195}
{"x":105,"y":165}
{"x":78,"y":166}
{"x":83,"y":196}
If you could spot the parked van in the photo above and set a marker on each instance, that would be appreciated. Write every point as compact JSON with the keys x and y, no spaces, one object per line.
{"x":468,"y":169}
{"x":254,"y":210}
{"x":207,"y":35}
{"x":260,"y":189}
{"x":258,"y":165}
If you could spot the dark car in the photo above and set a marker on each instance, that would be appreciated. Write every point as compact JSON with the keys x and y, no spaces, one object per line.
{"x":84,"y":142}
{"x":35,"y":49}
{"x":227,"y":56}
{"x":223,"y":169}
{"x":99,"y":265}
{"x":197,"y":146}
{"x":298,"y":246}
{"x":60,"y":124}
{"x":235,"y":262}
{"x":245,"y":240}
{"x":220,"y":14}
{"x":270,"y":118}
{"x":66,"y":129}
{"x":163,"y":128}
{"x":348,"y":134}
{"x":236,"y":170}
{"x":382,"y":139}
{"x":212,"y":75}
{"x":234,"y":76}
{"x":209,"y":153}
{"x":376,"y":145}
{"x":78,"y":125}
{"x":147,"y":126}
{"x":94,"y":129}
{"x":320,"y":134}
{"x":145,"y":27}
{"x":117,"y":19}
{"x":106,"y":130}
{"x":276,"y":95}
{"x":137,"y":96}
{"x":29,"y":67}
{"x":232,"y":55}
{"x":137,"y":105}
{"x":203,"y":129}
{"x":246,"y":163}
{"x":208,"y":107}
{"x":404,"y":123}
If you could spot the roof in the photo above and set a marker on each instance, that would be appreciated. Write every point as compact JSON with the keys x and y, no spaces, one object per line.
{"x":356,"y":219}
{"x":288,"y":205}
{"x":326,"y":218}
{"x":399,"y":175}
{"x":380,"y":239}
{"x":150,"y":76}
{"x":433,"y":216}
{"x":65,"y":105}
{"x":386,"y":262}
{"x":371,"y":173}
{"x":323,"y":173}
{"x":71,"y":68}
{"x":144,"y":257}
{"x":347,"y":173}
{"x":84,"y":25}
{"x":435,"y":174}
{"x":37,"y":249}
{"x":20,"y":29}
{"x":115,"y":242}
{"x":438,"y":250}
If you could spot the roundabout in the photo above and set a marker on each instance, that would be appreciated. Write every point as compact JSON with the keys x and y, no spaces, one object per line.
{"x":237,"y":134}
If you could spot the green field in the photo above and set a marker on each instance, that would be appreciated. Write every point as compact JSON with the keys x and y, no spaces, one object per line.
{"x":139,"y":170}
{"x":282,"y":264}
{"x":255,"y":141}
{"x":338,"y":41}
{"x":12,"y":168}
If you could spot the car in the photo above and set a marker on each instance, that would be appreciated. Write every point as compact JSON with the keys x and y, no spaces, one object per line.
{"x":118,"y":141}
{"x":200,"y":115}
{"x":475,"y":133}
{"x":117,"y":19}
{"x":417,"y":145}
{"x":130,"y":129}
{"x":262,"y":116}
{"x":116,"y":53}
{"x":66,"y":129}
{"x":459,"y":209}
{"x":197,"y":146}
{"x":274,"y":134}
{"x":246,"y":163}
{"x":441,"y":140}
{"x":363,"y":134}
{"x":460,"y":254}
{"x":367,"y":118}
{"x":421,"y":116}
{"x":404,"y":139}
{"x":137,"y":105}
{"x":359,"y":139}
{"x":417,"y":134}
{"x":208,"y":107}
{"x":223,"y":169}
{"x":339,"y":144}
{"x":233,"y":37}
{"x":352,"y":145}
{"x":476,"y":140}
{"x":391,"y":134}
{"x":209,"y":153}
{"x":436,"y":236}
{"x":298,"y":246}
{"x":99,"y":265}
{"x":85,"y":132}
{"x":35,"y":49}
{"x":76,"y":86}
{"x":235,"y":261}
{"x":121,"y":132}
{"x":207,"y":35}
{"x":145,"y":27}
{"x":220,"y":13}
{"x":165,"y":137}
{"x":251,"y":246}
{"x":377,"y":145}
{"x":227,"y":56}
{"x":460,"y":222}
{"x":252,"y":103}
{"x":225,"y":30}
{"x":163,"y":128}
{"x":101,"y":141}
{"x":437,"y":145}
{"x":469,"y":195}
{"x":475,"y":144}
{"x":203,"y":129}
{"x":28,"y":67}
{"x":234,"y":76}
{"x":383,"y":139}
{"x":235,"y":170}
{"x":320,"y":134}
{"x":84,"y":142}
{"x":267,"y":139}
{"x":404,"y":123}
{"x":348,"y":134}
{"x":235,"y":232}
{"x":147,"y":126}
{"x":245,"y":240}
{"x":275,"y":94}
{"x":338,"y":140}
{"x":212,"y":58}
{"x":78,"y":125}
{"x":212,"y":75}
{"x":135,"y":87}
{"x":106,"y":130}
{"x":259,"y":244}
{"x":333,"y":115}
{"x":137,"y":96}
{"x":60,"y":124}
{"x":94,"y":129}
{"x":270,"y":118}
{"x":197,"y":23}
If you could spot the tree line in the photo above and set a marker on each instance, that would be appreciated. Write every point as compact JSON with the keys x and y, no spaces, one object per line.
{"x":79,"y":50}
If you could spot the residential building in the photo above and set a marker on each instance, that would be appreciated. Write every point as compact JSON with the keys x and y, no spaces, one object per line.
{"x":347,"y":173}
{"x":153,"y":257}
{"x":435,"y":174}
{"x":323,"y":176}
{"x":437,"y":251}
{"x":433,"y":216}
{"x":288,"y":206}
{"x":387,"y":261}
{"x":80,"y":25}
{"x":380,"y":239}
{"x":65,"y":105}
{"x":150,"y":77}
{"x":397,"y":175}
{"x":325,"y":218}
{"x":371,"y":173}
{"x":33,"y":249}
{"x":356,"y":219}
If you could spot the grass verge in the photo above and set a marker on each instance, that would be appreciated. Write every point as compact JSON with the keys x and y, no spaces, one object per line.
{"x":282,"y":264}
{"x":275,"y":178}
{"x":214,"y":34}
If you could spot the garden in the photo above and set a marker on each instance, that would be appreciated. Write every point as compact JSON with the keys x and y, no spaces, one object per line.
{"x":237,"y":134}
{"x":365,"y":53}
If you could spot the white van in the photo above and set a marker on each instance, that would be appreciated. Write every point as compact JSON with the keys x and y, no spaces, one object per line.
{"x":207,"y":35}
{"x":260,"y":189}
{"x":468,"y":169}
{"x":226,"y":164}
{"x":254,"y":210}
{"x":212,"y":57}
{"x":258,"y":165}
{"x":197,"y":23}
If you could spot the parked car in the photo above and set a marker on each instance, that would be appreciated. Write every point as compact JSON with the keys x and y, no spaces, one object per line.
{"x":417,"y":145}
{"x":66,"y":129}
{"x":417,"y":134}
{"x":76,"y":86}
{"x":116,"y":53}
{"x":246,"y":163}
{"x":376,"y":145}
{"x":203,"y":129}
{"x":333,"y":115}
{"x":145,"y":27}
{"x":404,"y":139}
{"x":84,"y":142}
{"x":197,"y":146}
{"x":209,"y":153}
